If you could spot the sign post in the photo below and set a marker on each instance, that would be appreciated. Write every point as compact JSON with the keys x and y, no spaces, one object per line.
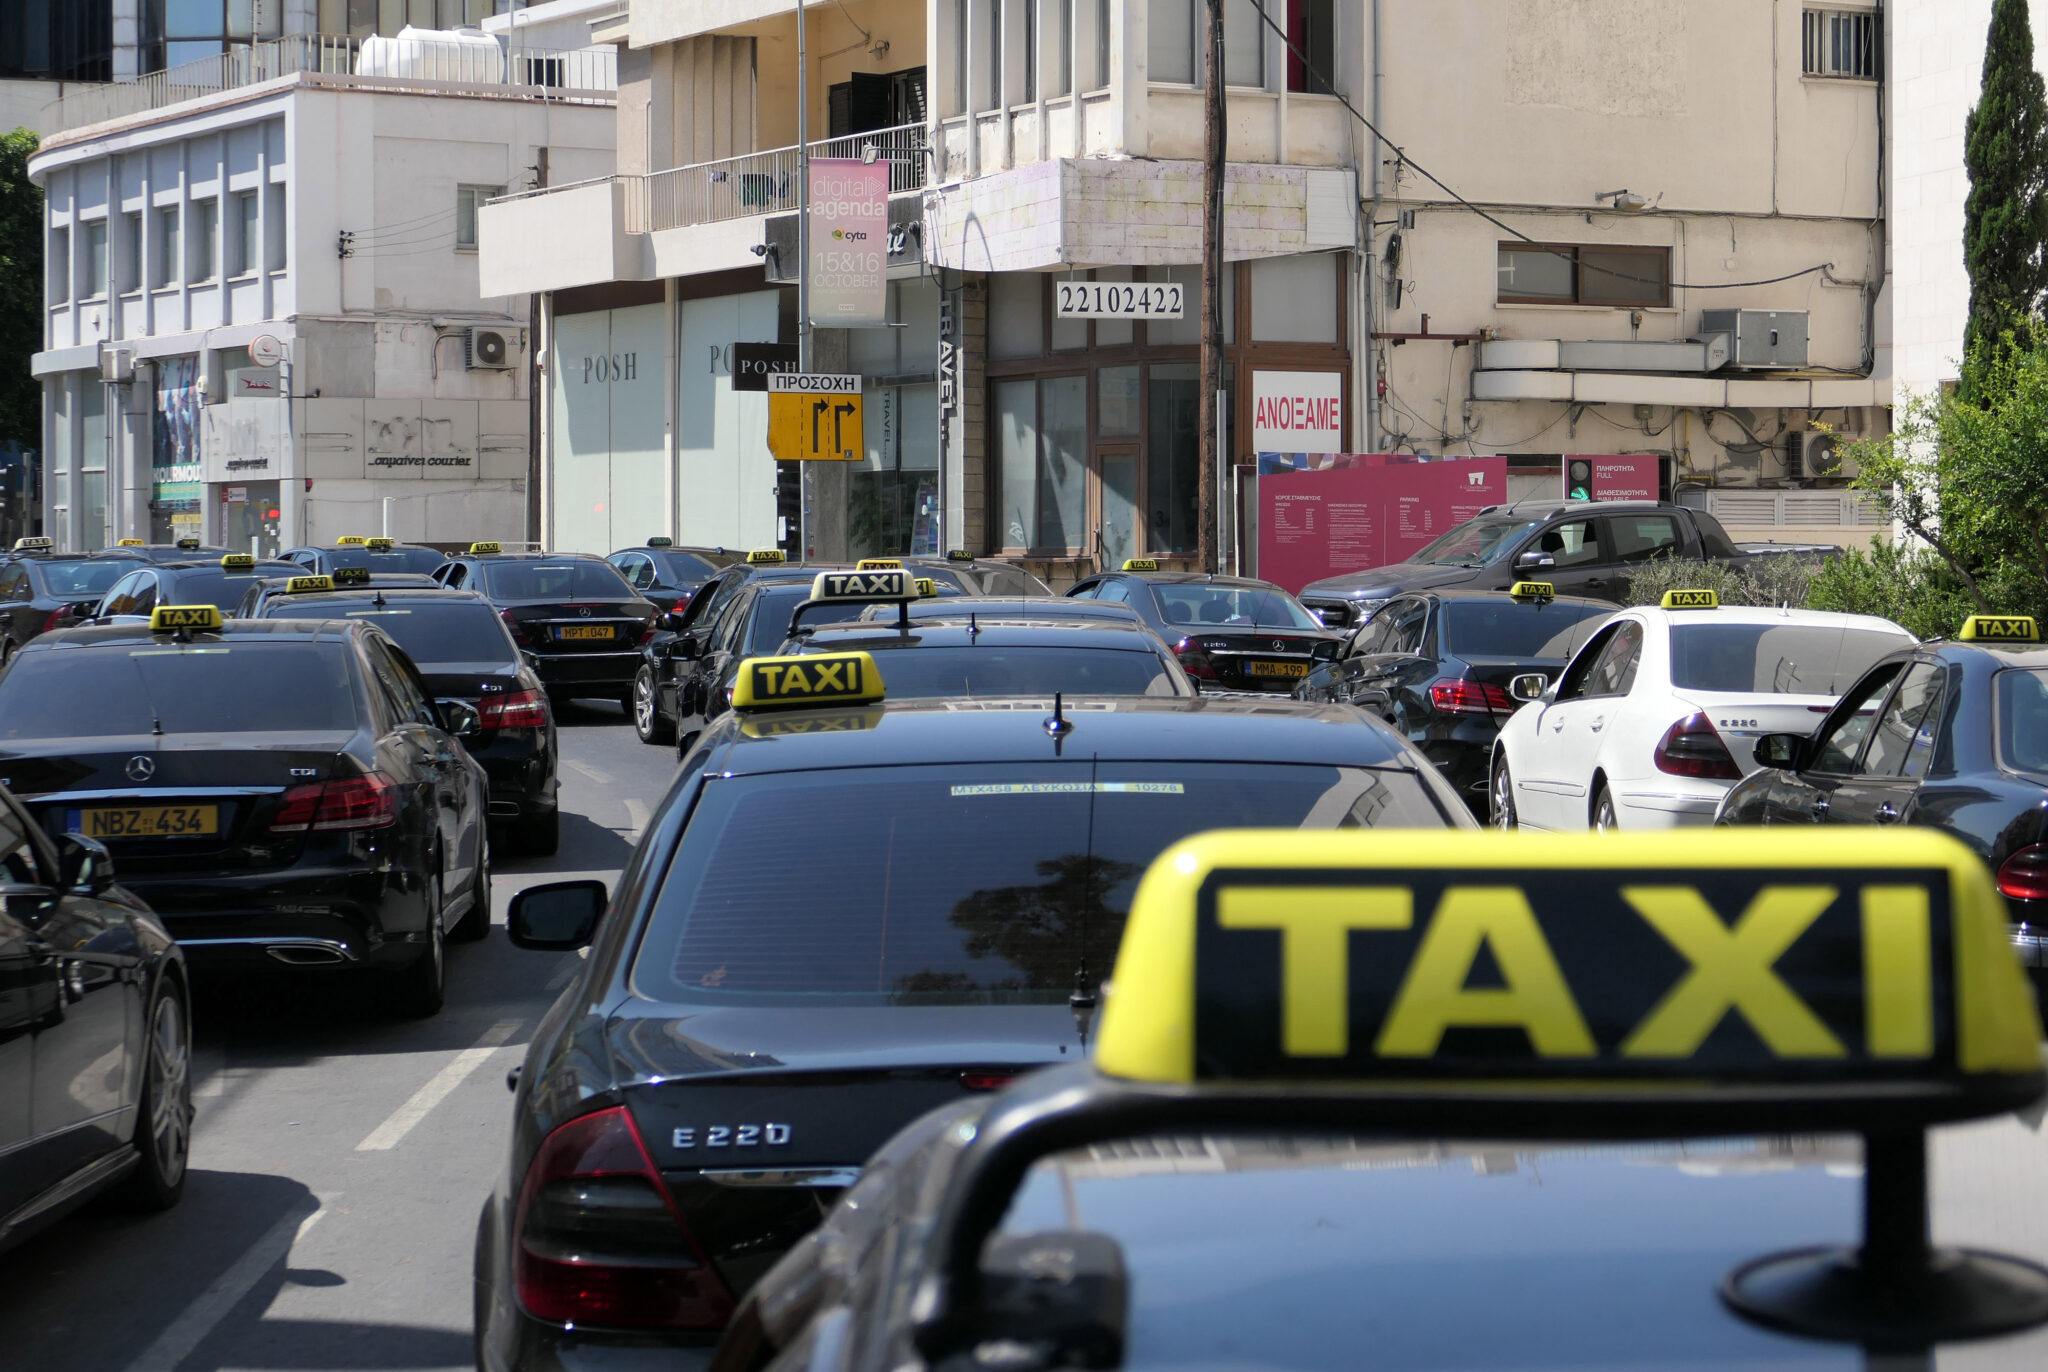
{"x":815,"y":417}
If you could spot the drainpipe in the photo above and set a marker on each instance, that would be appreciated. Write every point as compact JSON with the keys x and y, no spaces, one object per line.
{"x":1369,"y":277}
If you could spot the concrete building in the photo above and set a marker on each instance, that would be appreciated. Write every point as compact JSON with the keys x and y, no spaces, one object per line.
{"x":312,"y":199}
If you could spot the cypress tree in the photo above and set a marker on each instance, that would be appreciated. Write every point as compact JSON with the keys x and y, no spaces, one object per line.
{"x":2005,"y":221}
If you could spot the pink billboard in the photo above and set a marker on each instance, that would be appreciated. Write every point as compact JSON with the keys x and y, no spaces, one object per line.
{"x":849,"y":241}
{"x":1371,"y":512}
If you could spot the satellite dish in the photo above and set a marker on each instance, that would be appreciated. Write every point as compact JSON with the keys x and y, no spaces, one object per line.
{"x":265,"y":350}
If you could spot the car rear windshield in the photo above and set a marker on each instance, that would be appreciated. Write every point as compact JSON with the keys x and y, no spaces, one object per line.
{"x":770,"y":629}
{"x":131,"y":688}
{"x":209,"y":588}
{"x":1519,"y":629}
{"x":2023,"y":720}
{"x":1202,"y":605}
{"x":961,"y":884}
{"x":980,"y":670}
{"x":1775,"y":659}
{"x":566,"y":580}
{"x":431,"y":632}
{"x":385,"y":559}
{"x":83,"y":578}
{"x":1474,"y":543}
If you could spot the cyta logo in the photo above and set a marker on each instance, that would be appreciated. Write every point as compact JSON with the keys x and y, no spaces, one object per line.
{"x":850,"y":235}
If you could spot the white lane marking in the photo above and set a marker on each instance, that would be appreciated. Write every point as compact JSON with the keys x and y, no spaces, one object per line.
{"x":387,"y":1134}
{"x":601,"y":778}
{"x":186,"y":1332}
{"x":636,"y":815}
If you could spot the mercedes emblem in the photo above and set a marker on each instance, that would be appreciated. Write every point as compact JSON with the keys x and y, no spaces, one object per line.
{"x":141,"y":767}
{"x":1279,"y":645}
{"x":583,"y":610}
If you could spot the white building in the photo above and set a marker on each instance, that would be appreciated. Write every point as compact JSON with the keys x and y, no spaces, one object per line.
{"x":319,"y":193}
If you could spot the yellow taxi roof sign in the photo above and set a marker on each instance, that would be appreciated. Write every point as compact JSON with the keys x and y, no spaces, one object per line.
{"x":128,"y":543}
{"x":763,"y":555}
{"x":188,"y":543}
{"x":887,"y":584}
{"x":959,"y":555}
{"x":877,"y":564}
{"x":660,"y":541}
{"x":1690,"y":600}
{"x":780,"y":683}
{"x":306,"y":585}
{"x":926,"y":587}
{"x":487,"y":545}
{"x":235,"y":562}
{"x":1533,"y":590}
{"x":350,"y":576}
{"x":166,"y":619}
{"x":34,"y":543}
{"x":379,"y":544}
{"x":811,"y":722}
{"x":1141,"y":564}
{"x":1871,"y":965}
{"x":350,"y":541}
{"x":2000,"y":629}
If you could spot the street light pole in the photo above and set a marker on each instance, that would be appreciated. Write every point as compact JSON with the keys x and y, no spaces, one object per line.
{"x":1213,"y":141}
{"x":803,"y":265}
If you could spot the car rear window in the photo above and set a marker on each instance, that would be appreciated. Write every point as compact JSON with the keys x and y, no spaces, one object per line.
{"x":189,"y":689}
{"x":564,"y":580}
{"x":209,"y":588}
{"x":1519,"y":629}
{"x":772,"y":609}
{"x":1232,"y":607}
{"x":1776,"y":659}
{"x":2023,"y":720}
{"x":956,"y":885}
{"x":923,"y":673}
{"x":83,"y":578}
{"x":431,"y":632}
{"x":386,"y":559}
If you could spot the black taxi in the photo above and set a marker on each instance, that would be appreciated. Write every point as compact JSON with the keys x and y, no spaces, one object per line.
{"x":360,"y":552}
{"x":224,"y":583}
{"x":669,"y":575}
{"x":573,"y":616}
{"x":265,"y":588}
{"x":184,"y":549}
{"x":847,"y":911}
{"x":42,"y":589}
{"x":1428,"y":1101}
{"x":281,"y":792}
{"x":1233,"y":632}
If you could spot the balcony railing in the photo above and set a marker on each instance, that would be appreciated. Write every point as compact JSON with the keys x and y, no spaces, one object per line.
{"x":431,"y":64}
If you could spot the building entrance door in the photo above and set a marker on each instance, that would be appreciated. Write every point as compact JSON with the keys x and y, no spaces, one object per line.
{"x":1116,"y":515}
{"x":250,"y":518}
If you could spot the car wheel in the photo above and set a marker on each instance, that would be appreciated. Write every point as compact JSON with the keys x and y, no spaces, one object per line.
{"x":423,"y":982}
{"x":163,"y":1108}
{"x":1503,"y":794}
{"x":539,"y":835}
{"x":1603,"y":813}
{"x":645,"y":708}
{"x":476,"y":921}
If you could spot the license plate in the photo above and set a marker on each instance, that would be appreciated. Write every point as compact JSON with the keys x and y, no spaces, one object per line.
{"x":583,"y":631}
{"x":145,"y":821}
{"x":1276,"y":669}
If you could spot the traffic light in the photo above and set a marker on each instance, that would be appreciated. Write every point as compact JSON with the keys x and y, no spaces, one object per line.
{"x":1578,"y":479}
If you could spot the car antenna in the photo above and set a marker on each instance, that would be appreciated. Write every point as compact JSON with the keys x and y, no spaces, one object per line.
{"x":1083,"y":999}
{"x":972,"y":627}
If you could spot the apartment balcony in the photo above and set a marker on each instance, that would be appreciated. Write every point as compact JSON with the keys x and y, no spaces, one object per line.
{"x":706,"y":217}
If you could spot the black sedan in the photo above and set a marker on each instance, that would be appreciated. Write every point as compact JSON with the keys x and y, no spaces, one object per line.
{"x":1437,"y":665}
{"x":668,"y":575}
{"x":225,"y":584}
{"x":183,"y":550}
{"x":40,"y":592}
{"x":845,"y":917}
{"x":95,"y":1034}
{"x":1231,"y":632}
{"x":1950,"y":735}
{"x":265,"y":588}
{"x":575,"y":619}
{"x":281,"y":792}
{"x":465,"y":654}
{"x":371,"y":554}
{"x":998,"y":657}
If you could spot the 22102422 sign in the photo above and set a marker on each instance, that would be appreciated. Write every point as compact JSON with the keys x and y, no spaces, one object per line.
{"x":1119,"y":300}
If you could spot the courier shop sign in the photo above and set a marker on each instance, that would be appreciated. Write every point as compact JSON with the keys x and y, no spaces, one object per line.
{"x":1298,"y":412}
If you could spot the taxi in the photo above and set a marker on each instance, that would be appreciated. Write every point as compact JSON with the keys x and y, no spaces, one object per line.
{"x":42,"y":589}
{"x":369,"y":554}
{"x":179,"y":550}
{"x":669,"y":575}
{"x":257,"y":598}
{"x":1433,"y":1101}
{"x":1235,"y":633}
{"x":1658,"y":714}
{"x":224,"y":583}
{"x":1951,"y":736}
{"x":848,"y":910}
{"x":573,"y":616}
{"x":963,"y":608}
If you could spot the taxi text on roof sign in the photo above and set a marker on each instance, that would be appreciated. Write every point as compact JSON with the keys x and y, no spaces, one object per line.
{"x":34,"y":544}
{"x":1533,"y":590}
{"x":770,"y":683}
{"x":237,"y":561}
{"x":188,"y":544}
{"x":1141,"y":564}
{"x":761,"y":555}
{"x":959,"y":555}
{"x":486,"y":546}
{"x":303,"y":585}
{"x":2000,"y":629}
{"x":925,"y":587}
{"x":1690,"y":600}
{"x":877,"y":564}
{"x":812,"y":722}
{"x":350,"y":541}
{"x":884,"y":585}
{"x":661,"y":541}
{"x":1445,"y":960}
{"x":166,"y":619}
{"x":128,"y":543}
{"x":350,"y":576}
{"x":378,"y":544}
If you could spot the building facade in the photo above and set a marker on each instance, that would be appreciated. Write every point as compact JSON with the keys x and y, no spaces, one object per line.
{"x":264,"y":325}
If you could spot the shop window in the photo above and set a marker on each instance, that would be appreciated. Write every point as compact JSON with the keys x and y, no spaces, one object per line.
{"x":1566,"y":274}
{"x":1043,"y":451}
{"x":1172,"y":456}
{"x":1294,"y":299}
{"x":1016,"y":315}
{"x":1117,"y":397}
{"x":92,"y":462}
{"x":1188,"y":328}
{"x":1312,"y":58}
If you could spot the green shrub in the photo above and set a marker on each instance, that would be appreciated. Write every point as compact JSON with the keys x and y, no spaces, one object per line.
{"x":1910,"y":587}
{"x":1771,"y":581}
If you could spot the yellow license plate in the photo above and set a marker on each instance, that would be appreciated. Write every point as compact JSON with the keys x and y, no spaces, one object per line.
{"x":584,"y":631}
{"x":147,"y":821}
{"x":1276,"y":668}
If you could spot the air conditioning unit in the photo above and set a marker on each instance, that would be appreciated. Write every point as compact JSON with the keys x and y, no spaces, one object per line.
{"x":117,"y":363}
{"x":1816,"y":458}
{"x":1762,"y":340}
{"x":486,"y":350}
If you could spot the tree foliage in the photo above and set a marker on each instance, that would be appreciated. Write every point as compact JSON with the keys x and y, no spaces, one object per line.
{"x":21,"y":291}
{"x":2005,"y":152}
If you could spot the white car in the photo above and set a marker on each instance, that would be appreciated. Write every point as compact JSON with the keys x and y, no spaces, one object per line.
{"x":1658,"y":715}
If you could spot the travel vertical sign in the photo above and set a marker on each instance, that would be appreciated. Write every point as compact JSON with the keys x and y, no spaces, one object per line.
{"x":849,"y":242}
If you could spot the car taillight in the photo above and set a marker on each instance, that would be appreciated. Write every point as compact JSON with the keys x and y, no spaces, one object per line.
{"x":598,"y":1240}
{"x":1194,"y":660}
{"x":986,"y":1081}
{"x":56,"y":618}
{"x":646,"y":631}
{"x":2024,"y":875}
{"x":1691,"y":748}
{"x":516,"y":629}
{"x":518,"y":710}
{"x":1471,"y":698}
{"x":369,"y":801}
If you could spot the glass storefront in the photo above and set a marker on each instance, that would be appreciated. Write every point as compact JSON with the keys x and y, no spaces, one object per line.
{"x":893,"y":493}
{"x":250,"y":518}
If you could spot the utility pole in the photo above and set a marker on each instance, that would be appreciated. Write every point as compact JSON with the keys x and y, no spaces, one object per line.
{"x":803,"y":267}
{"x":1210,"y":447}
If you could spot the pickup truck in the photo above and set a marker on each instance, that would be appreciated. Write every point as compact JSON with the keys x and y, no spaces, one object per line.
{"x":1582,"y":549}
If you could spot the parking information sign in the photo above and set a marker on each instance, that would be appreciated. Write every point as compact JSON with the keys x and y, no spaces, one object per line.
{"x":814,"y":417}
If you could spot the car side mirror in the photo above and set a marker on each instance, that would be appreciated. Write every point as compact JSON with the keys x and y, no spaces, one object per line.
{"x":1529,"y":686}
{"x":670,"y":620}
{"x":1533,"y":561}
{"x":559,"y":917}
{"x":461,"y":719}
{"x":1326,"y":651}
{"x":684,"y":649}
{"x":84,"y":864}
{"x":1785,"y":752}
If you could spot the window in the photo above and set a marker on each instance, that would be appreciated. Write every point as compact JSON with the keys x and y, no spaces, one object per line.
{"x":129,"y":277}
{"x":1615,"y":672}
{"x":59,"y":288}
{"x":180,"y":31}
{"x":273,"y":227}
{"x":997,"y":95}
{"x":1844,"y":738}
{"x":205,"y":233}
{"x":1793,"y":658}
{"x":1060,"y":80}
{"x":1842,"y":43}
{"x":1312,"y":31}
{"x":1572,"y":544}
{"x":1102,"y":72}
{"x":467,"y":201}
{"x":1902,"y":740}
{"x":2023,"y":720}
{"x":1563,"y":274}
{"x":1030,"y":91}
{"x":96,"y":258}
{"x":1173,"y":456}
{"x":1177,"y":29}
{"x":245,"y":235}
{"x":167,"y":246}
{"x":1641,"y":538}
{"x":1043,"y":447}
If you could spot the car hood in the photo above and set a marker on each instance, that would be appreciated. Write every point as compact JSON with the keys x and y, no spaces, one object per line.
{"x":1382,"y":583}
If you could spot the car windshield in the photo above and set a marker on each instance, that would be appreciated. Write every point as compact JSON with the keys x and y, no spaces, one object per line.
{"x":2023,"y":720}
{"x":957,"y":885}
{"x":130,"y":688}
{"x":983,"y":670}
{"x":431,"y":632}
{"x":385,"y":559}
{"x":82,"y":578}
{"x":690,"y":566}
{"x":1526,"y":630}
{"x":772,"y":609}
{"x":1776,"y":659}
{"x":564,"y":580}
{"x":1476,"y":542}
{"x":1232,"y":607}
